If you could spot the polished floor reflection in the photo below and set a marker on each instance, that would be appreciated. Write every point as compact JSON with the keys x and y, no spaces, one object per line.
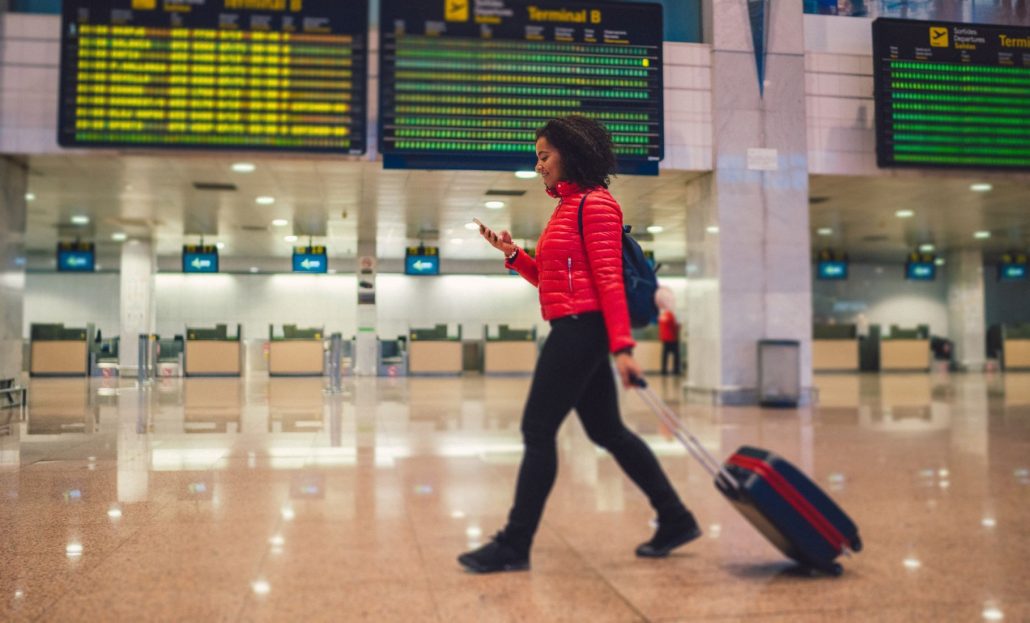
{"x":270,"y":499}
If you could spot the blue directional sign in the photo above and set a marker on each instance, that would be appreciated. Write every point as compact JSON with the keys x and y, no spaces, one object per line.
{"x":1011,"y":272}
{"x":832,"y":270}
{"x":199,"y":259}
{"x":920,"y":271}
{"x":77,"y":257}
{"x":422,"y":260}
{"x":310,"y":260}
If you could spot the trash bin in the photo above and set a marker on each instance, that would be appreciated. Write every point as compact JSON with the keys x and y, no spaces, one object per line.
{"x":779,"y":373}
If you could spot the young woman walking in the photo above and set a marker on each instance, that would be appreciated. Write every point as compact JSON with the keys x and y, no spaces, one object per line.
{"x":579,"y":275}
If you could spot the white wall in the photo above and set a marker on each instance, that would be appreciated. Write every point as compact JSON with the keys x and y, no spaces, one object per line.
{"x":327,"y":301}
{"x":885,"y":297}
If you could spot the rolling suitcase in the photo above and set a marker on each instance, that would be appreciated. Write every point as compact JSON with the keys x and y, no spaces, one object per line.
{"x":790,"y":510}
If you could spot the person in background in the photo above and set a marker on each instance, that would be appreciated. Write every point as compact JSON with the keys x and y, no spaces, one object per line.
{"x":579,"y":276}
{"x":668,"y":330}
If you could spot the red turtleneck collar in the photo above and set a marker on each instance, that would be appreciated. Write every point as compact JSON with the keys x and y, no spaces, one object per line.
{"x":564,"y":189}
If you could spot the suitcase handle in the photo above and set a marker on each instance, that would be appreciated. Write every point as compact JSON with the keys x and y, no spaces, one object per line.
{"x":692,"y":443}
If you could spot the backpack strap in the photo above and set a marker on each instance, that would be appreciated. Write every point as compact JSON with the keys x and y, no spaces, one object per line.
{"x":581,"y":203}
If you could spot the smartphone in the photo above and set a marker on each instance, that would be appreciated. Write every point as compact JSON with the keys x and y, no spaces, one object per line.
{"x":479,"y":222}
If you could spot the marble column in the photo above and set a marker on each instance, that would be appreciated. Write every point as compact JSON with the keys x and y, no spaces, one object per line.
{"x":967,"y":326}
{"x":748,"y":247}
{"x":13,"y":185}
{"x":138,"y":266}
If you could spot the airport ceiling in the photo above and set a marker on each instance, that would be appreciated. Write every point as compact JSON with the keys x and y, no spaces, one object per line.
{"x":329,"y":199}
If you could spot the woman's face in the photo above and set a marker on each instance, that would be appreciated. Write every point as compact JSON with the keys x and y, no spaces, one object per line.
{"x":548,"y":163}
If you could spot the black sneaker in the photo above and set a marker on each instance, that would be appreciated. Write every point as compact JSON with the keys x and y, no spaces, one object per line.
{"x":495,"y":556}
{"x":668,"y":537}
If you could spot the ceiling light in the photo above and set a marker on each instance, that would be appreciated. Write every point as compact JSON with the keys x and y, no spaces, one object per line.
{"x":655,"y":229}
{"x":73,"y":549}
{"x":265,"y":200}
{"x":982,"y":235}
{"x":992,"y":613}
{"x":988,"y":522}
{"x":912,"y":563}
{"x":980,"y":188}
{"x":119,"y":236}
{"x":927,"y":248}
{"x":30,"y":196}
{"x":261,"y":587}
{"x":280,"y":222}
{"x":712,"y":229}
{"x":114,"y":512}
{"x":824,"y":231}
{"x":220,"y":245}
{"x":79,"y":219}
{"x":939,"y":261}
{"x":525,"y":175}
{"x":243,"y":167}
{"x":290,"y":238}
{"x":494,"y":205}
{"x":904,"y":213}
{"x":253,"y":269}
{"x":471,"y":226}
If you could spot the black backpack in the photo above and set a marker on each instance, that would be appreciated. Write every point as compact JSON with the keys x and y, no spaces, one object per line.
{"x":637,"y":276}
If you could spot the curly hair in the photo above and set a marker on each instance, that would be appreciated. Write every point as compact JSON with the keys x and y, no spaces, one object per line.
{"x":585,"y":146}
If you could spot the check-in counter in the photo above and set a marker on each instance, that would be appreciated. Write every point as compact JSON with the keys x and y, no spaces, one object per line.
{"x":297,"y":352}
{"x":431,"y":352}
{"x":835,"y":348}
{"x":393,"y":357}
{"x":905,"y":349}
{"x":509,"y":351}
{"x":211,"y":352}
{"x":1016,"y":347}
{"x":59,"y":351}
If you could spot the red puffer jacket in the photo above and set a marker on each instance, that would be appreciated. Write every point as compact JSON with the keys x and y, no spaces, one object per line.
{"x":574,"y":278}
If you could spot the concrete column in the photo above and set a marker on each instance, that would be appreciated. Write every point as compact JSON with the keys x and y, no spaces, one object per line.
{"x":967,"y":325}
{"x":13,"y":185}
{"x":366,"y":354}
{"x":138,"y":266}
{"x":748,"y":247}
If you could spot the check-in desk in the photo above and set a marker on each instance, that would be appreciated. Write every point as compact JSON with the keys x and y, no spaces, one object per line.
{"x":211,"y":352}
{"x":393,"y":357}
{"x":906,"y":349}
{"x":509,"y":351}
{"x":648,"y":351}
{"x":297,"y":352}
{"x":432,"y":353}
{"x":835,"y":348}
{"x":1016,"y":347}
{"x":59,"y":351}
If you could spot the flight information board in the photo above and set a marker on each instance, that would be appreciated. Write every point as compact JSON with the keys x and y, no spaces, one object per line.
{"x":466,"y":83}
{"x":222,"y":74}
{"x":951,"y":95}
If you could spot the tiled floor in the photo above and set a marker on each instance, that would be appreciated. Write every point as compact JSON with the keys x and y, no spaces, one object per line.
{"x":211,"y":500}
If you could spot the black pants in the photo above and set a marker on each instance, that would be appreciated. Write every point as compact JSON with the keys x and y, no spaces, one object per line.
{"x":671,"y":348}
{"x":574,"y":372}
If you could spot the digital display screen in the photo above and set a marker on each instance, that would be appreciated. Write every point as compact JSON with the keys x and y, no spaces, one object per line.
{"x":465,"y":84}
{"x":310,"y":260}
{"x":422,"y":265}
{"x":920,"y":271}
{"x":1011,"y":272}
{"x":199,"y":259}
{"x":221,"y":74}
{"x":832,"y":271}
{"x":76,"y":257}
{"x":951,"y":95}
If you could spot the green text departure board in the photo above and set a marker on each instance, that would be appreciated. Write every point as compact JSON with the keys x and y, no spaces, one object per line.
{"x":952,"y":95}
{"x":224,"y":74}
{"x":466,"y":83}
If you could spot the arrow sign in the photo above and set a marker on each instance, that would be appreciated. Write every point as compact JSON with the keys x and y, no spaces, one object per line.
{"x":199,"y":263}
{"x":308,"y":264}
{"x":420,"y":265}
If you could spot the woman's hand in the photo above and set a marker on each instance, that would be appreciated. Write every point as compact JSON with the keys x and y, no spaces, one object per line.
{"x":628,"y":368}
{"x":502,"y":242}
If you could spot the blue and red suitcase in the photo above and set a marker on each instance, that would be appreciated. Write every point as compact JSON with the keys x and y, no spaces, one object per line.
{"x":790,"y":510}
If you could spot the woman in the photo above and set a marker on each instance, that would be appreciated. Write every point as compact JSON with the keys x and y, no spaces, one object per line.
{"x":579,"y":276}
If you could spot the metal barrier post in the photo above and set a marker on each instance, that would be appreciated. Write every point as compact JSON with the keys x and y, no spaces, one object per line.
{"x":335,"y":363}
{"x":142,"y":361}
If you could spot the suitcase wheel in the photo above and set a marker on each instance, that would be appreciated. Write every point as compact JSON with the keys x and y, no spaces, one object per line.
{"x":836,"y":570}
{"x":856,"y":545}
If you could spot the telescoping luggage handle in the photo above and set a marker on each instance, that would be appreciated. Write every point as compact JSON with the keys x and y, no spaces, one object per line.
{"x":693,"y":445}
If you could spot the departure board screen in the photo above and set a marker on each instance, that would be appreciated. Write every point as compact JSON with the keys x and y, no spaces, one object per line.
{"x":465,"y":84}
{"x":215,"y":74}
{"x":952,"y":95}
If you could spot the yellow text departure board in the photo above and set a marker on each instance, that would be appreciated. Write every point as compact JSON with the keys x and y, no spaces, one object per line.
{"x":215,"y":74}
{"x":466,"y":83}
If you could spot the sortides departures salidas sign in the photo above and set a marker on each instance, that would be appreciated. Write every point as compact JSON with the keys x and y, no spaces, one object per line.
{"x":951,"y":95}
